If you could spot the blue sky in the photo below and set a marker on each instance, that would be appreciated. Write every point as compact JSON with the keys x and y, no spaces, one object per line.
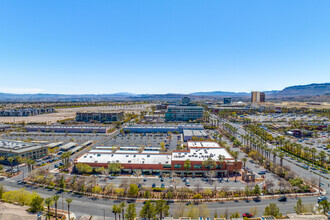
{"x":155,"y":46}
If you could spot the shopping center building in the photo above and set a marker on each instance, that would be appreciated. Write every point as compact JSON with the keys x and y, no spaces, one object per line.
{"x":155,"y":162}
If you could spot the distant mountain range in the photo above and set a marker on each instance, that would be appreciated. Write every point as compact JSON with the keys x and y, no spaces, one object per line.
{"x":322,"y":89}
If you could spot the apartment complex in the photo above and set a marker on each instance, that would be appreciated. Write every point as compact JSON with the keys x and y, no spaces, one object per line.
{"x":154,"y":162}
{"x":184,"y":113}
{"x":23,"y":149}
{"x":99,"y":116}
{"x":257,"y":96}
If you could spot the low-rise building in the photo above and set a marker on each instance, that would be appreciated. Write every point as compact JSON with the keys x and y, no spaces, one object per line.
{"x":153,"y":161}
{"x":189,"y":135}
{"x":162,"y":128}
{"x":68,"y":129}
{"x":23,"y":149}
{"x":102,"y":116}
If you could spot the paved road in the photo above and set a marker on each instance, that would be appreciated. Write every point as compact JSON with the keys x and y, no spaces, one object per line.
{"x":82,"y":205}
{"x":301,"y":172}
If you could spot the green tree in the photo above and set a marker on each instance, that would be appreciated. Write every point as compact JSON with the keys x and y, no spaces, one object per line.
{"x":133,"y":190}
{"x":10,"y":160}
{"x":62,"y":182}
{"x":48,"y":201}
{"x":37,"y":204}
{"x":148,"y":211}
{"x":55,"y":199}
{"x":324,"y":205}
{"x":235,"y":215}
{"x":122,"y":209}
{"x":114,"y":167}
{"x":116,"y":210}
{"x":299,"y":208}
{"x":68,"y":201}
{"x":162,"y":147}
{"x":256,"y":190}
{"x":130,"y":212}
{"x":187,"y":166}
{"x":162,"y":209}
{"x":272,"y":210}
{"x":2,"y":191}
{"x":147,"y":194}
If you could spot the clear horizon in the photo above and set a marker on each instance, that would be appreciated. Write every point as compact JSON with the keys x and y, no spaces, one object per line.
{"x":159,"y":47}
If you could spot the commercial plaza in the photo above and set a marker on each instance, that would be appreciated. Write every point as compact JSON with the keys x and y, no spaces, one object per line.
{"x":155,"y":162}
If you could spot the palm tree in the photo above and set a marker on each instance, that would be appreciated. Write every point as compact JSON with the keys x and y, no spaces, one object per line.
{"x":10,"y":160}
{"x":18,"y":160}
{"x":244,"y":160}
{"x":235,"y":155}
{"x":55,"y":198}
{"x":274,"y":156}
{"x":281,"y":156}
{"x":48,"y":201}
{"x":221,"y":160}
{"x":322,"y":156}
{"x":116,"y":210}
{"x":68,"y":200}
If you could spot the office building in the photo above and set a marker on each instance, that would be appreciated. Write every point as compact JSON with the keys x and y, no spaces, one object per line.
{"x":22,"y":149}
{"x":183,"y":113}
{"x":153,"y":162}
{"x":227,"y":101}
{"x":99,"y":116}
{"x":185,"y":101}
{"x":257,"y":96}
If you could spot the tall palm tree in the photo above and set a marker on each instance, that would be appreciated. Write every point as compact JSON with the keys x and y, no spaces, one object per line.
{"x":10,"y":160}
{"x":244,"y":160}
{"x":55,"y":199}
{"x":116,"y":210}
{"x":18,"y":160}
{"x":281,"y":156}
{"x":68,"y":200}
{"x":49,"y":201}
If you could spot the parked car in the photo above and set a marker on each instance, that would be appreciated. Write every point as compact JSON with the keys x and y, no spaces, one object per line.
{"x":162,"y":186}
{"x":282,"y":199}
{"x":262,"y":172}
{"x":145,"y":180}
{"x":247,"y":215}
{"x":162,"y":179}
{"x":153,"y":185}
{"x":321,"y":198}
{"x":187,"y":183}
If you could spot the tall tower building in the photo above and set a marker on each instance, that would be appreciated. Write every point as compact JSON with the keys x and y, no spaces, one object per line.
{"x":257,"y":96}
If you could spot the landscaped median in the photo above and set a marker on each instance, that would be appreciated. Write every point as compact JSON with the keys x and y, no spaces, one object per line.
{"x":147,"y":195}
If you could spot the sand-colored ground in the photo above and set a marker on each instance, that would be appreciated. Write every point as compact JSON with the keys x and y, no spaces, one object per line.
{"x":15,"y":212}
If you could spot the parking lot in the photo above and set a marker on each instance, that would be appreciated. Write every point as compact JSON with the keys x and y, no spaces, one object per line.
{"x":148,"y":139}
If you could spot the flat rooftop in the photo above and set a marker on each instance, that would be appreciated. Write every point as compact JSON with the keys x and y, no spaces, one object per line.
{"x":203,"y":144}
{"x":66,"y":127}
{"x":17,"y":146}
{"x":197,"y":133}
{"x":201,"y":154}
{"x":97,"y":156}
